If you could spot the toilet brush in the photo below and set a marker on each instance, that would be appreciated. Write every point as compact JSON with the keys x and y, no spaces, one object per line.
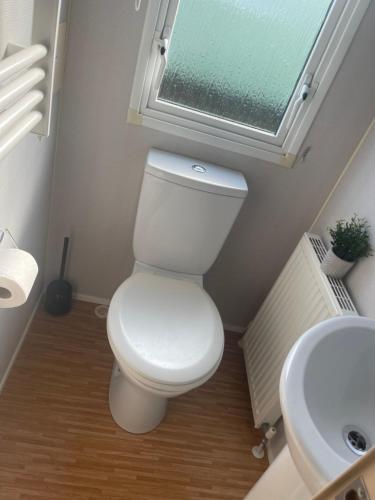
{"x":59,"y":292}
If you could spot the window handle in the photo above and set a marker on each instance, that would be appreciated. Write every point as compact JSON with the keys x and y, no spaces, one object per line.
{"x":162,"y":44}
{"x":163,"y":47}
{"x":303,"y":95}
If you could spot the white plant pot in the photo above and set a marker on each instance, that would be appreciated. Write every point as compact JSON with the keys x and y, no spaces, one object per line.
{"x":334,"y":266}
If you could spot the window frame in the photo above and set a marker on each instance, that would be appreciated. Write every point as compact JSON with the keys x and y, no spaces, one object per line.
{"x":320,"y":69}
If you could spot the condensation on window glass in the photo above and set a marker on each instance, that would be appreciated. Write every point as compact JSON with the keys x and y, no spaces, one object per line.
{"x":240,"y":59}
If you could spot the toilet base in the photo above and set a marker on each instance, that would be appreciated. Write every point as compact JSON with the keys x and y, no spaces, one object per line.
{"x":132,"y":408}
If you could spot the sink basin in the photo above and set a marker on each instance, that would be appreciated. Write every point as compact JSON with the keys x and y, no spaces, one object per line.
{"x":327,"y":392}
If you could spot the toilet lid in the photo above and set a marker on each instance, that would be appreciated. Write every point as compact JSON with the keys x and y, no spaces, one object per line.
{"x":168,"y":330}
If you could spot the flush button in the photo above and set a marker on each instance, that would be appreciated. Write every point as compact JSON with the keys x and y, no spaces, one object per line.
{"x":199,"y":168}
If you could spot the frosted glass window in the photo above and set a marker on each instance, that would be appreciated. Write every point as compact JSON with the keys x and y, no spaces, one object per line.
{"x":240,"y":60}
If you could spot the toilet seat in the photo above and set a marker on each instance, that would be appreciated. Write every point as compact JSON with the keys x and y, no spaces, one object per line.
{"x":162,"y":389}
{"x":165,"y":332}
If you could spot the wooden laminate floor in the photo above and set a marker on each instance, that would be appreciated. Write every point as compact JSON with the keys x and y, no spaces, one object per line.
{"x":58,"y":440}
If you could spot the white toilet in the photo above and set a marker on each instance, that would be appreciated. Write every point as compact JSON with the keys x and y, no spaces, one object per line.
{"x":164,"y":330}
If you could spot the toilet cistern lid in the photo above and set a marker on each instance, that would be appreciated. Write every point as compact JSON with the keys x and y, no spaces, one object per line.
{"x":196,"y":174}
{"x":166,"y":329}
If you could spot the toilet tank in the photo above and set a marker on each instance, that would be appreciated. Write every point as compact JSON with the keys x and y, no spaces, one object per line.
{"x":185,"y":212}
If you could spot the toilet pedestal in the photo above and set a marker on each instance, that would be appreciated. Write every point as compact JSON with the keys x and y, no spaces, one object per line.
{"x":146,"y":410}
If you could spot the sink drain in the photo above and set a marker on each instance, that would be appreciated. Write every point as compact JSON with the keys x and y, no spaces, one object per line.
{"x":356,"y":440}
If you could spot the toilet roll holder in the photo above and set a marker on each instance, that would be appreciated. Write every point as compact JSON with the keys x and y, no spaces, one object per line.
{"x":4,"y":232}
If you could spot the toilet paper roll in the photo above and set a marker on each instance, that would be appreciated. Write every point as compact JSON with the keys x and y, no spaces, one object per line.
{"x":18,"y":270}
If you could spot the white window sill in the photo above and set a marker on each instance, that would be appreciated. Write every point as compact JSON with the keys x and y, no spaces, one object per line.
{"x":226,"y":140}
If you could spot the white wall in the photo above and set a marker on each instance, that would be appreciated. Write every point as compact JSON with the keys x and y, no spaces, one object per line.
{"x":100,"y":164}
{"x":25,"y":186}
{"x":15,"y":22}
{"x":25,"y":189}
{"x":355,"y":193}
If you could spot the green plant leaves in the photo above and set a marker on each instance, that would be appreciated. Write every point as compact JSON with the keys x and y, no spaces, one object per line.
{"x":350,"y":240}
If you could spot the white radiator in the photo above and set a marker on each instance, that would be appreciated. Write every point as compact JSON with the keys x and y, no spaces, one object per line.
{"x":301,"y":297}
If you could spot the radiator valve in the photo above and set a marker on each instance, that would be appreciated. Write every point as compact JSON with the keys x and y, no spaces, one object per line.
{"x":269,"y":433}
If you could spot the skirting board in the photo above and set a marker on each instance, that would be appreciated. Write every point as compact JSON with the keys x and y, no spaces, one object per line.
{"x":101,"y":300}
{"x":91,"y":298}
{"x":20,"y":342}
{"x":234,"y":328}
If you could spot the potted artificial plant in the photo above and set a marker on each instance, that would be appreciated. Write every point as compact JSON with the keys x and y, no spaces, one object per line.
{"x":350,"y":240}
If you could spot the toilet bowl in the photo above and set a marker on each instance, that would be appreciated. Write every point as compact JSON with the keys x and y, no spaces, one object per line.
{"x":164,"y":329}
{"x":167,"y":338}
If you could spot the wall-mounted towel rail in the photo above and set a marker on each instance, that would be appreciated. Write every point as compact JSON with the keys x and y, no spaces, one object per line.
{"x":27,"y":77}
{"x":17,"y":87}
{"x":11,"y":138}
{"x":21,"y":60}
{"x":10,"y":117}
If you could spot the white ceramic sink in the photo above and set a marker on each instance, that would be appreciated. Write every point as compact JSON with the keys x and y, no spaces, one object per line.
{"x":327,"y":388}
